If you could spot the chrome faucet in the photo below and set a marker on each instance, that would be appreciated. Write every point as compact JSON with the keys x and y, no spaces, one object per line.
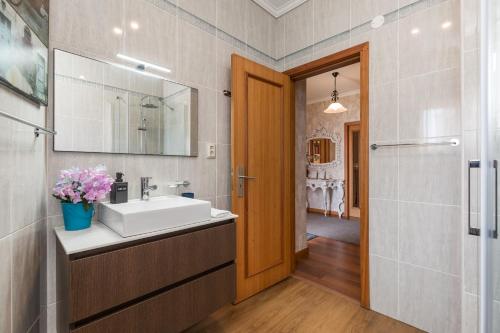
{"x":145,"y":188}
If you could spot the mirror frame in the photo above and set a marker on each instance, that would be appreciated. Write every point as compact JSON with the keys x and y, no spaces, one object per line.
{"x":323,"y":133}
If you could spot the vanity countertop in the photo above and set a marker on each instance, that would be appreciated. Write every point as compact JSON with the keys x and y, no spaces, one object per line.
{"x":100,"y":236}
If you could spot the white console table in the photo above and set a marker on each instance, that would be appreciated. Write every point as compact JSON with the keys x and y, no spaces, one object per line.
{"x":335,"y":186}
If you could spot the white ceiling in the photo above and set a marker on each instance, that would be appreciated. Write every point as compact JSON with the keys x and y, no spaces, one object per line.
{"x":279,"y":7}
{"x":320,"y":87}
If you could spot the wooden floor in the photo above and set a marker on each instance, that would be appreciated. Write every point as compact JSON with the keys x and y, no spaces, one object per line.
{"x":332,"y":264}
{"x":299,"y":306}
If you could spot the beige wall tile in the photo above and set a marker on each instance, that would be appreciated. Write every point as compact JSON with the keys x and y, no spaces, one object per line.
{"x":223,"y":170}
{"x":430,"y":174}
{"x":197,"y":55}
{"x":429,"y":106}
{"x":384,"y":228}
{"x":429,"y":300}
{"x":26,"y":268}
{"x":203,"y":9}
{"x":331,"y":17}
{"x":260,"y":27}
{"x":363,"y":11}
{"x":299,"y":28}
{"x":433,"y":48}
{"x":429,"y":236}
{"x":5,"y":284}
{"x":232,"y":18}
{"x":384,"y":286}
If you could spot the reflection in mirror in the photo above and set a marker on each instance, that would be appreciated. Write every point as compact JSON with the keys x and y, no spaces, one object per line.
{"x":101,"y":107}
{"x":321,"y":150}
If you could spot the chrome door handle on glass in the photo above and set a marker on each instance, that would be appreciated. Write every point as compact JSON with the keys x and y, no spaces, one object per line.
{"x":241,"y":181}
{"x":145,"y":188}
{"x":472,"y":164}
{"x":476,"y":231}
{"x":494,"y":233}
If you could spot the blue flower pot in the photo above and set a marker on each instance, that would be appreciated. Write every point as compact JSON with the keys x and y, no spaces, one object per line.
{"x":76,"y":217}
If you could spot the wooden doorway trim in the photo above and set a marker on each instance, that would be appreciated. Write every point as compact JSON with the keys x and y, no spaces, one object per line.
{"x":347,"y":167}
{"x":340,"y":59}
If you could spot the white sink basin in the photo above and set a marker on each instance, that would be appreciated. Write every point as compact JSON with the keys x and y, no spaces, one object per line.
{"x":159,"y":213}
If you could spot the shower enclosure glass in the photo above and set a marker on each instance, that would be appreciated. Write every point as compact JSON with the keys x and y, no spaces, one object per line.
{"x":489,"y":304}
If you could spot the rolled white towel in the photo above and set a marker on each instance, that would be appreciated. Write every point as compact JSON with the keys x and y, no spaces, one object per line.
{"x":218,"y":213}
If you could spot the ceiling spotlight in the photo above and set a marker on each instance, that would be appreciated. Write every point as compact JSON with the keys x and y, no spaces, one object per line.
{"x":446,"y":25}
{"x":134,"y":25}
{"x":415,"y":31}
{"x":117,"y":31}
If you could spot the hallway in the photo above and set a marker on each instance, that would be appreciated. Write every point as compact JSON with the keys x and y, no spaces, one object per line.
{"x":332,"y":264}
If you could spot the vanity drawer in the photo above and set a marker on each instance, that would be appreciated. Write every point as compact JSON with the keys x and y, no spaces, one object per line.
{"x":103,"y":281}
{"x":173,"y":310}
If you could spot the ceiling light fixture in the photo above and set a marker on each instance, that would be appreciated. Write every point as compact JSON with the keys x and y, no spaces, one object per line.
{"x":446,"y":25}
{"x":138,"y":71}
{"x":142,"y":64}
{"x":415,"y":31}
{"x":117,"y":31}
{"x":335,"y":106}
{"x":134,"y":25}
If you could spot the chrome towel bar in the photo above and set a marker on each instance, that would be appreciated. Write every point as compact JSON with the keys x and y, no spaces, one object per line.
{"x":38,"y":129}
{"x":452,"y":142}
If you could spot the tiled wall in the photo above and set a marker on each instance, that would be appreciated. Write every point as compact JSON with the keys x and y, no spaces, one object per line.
{"x":415,"y":193}
{"x":195,"y":40}
{"x":23,"y":212}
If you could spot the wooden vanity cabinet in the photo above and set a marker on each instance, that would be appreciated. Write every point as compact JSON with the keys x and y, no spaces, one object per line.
{"x":161,"y":284}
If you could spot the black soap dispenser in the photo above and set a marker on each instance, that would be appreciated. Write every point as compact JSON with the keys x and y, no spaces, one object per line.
{"x":119,"y":190}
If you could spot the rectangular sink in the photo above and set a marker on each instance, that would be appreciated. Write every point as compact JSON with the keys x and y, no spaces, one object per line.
{"x":159,"y":213}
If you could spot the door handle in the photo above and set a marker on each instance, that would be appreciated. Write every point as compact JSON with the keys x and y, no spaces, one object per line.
{"x":494,"y":233}
{"x":471,"y":164}
{"x":247,"y":177}
{"x":241,"y":181}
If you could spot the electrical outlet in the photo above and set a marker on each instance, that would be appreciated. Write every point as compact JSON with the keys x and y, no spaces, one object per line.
{"x":211,"y":150}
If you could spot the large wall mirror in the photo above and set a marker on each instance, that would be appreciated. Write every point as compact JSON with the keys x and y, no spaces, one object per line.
{"x":323,"y":149}
{"x":109,"y":108}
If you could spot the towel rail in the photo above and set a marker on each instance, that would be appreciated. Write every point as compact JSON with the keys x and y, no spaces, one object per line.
{"x":38,"y":129}
{"x":452,"y":142}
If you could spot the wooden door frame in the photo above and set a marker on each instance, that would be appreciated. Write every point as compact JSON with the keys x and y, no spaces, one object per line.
{"x":358,"y":53}
{"x":347,"y":167}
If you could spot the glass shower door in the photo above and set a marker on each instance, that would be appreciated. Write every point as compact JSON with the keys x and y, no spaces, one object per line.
{"x":490,"y":155}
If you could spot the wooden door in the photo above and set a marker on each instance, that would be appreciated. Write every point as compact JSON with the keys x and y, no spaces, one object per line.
{"x":353,"y":175}
{"x":262,"y":190}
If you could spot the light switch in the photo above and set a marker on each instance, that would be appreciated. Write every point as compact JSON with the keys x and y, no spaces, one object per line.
{"x":211,"y":150}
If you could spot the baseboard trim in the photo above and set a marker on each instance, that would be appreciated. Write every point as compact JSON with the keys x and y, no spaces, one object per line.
{"x":302,"y":254}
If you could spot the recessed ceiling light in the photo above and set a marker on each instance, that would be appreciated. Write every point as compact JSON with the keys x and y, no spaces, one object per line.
{"x":377,"y":21}
{"x":415,"y":31}
{"x":134,"y":25}
{"x":446,"y":24}
{"x":143,"y":63}
{"x":82,"y":77}
{"x":117,"y":31}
